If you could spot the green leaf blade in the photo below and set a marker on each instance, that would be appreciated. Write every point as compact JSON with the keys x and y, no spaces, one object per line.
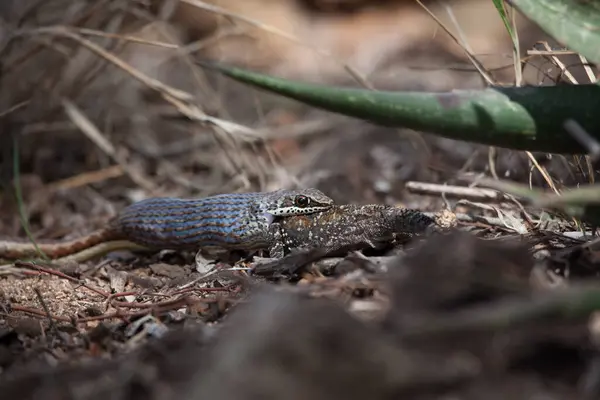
{"x":520,"y":118}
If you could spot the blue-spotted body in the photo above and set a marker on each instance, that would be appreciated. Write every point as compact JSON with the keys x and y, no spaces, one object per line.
{"x":248,"y":221}
{"x":245,"y":221}
{"x":231,"y":221}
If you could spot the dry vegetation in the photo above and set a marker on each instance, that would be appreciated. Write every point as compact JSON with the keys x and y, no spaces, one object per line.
{"x":102,"y":105}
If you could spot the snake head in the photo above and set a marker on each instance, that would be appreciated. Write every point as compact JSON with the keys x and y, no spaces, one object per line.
{"x":284,"y":203}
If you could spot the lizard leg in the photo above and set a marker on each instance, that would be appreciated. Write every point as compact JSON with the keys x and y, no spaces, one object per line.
{"x":277,"y":249}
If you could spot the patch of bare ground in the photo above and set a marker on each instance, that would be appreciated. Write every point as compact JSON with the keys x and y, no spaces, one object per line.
{"x":465,"y":325}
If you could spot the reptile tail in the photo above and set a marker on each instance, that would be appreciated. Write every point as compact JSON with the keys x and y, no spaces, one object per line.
{"x":17,"y":250}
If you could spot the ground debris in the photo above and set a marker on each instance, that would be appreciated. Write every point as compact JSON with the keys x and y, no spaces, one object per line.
{"x":459,"y":325}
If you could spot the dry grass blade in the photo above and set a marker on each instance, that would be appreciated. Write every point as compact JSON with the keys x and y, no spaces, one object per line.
{"x":559,"y":64}
{"x":588,"y":70}
{"x":127,"y":38}
{"x":480,"y":68}
{"x":94,"y":134}
{"x":267,"y":28}
{"x":86,"y":178}
{"x":180,"y":99}
{"x":13,"y":108}
{"x":194,"y":113}
{"x":175,"y":96}
{"x":145,"y":79}
{"x":542,"y":171}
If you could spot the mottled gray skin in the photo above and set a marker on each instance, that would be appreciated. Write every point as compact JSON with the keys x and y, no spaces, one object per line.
{"x":274,"y":221}
{"x":244,"y":221}
{"x":230,"y":221}
{"x":348,"y":226}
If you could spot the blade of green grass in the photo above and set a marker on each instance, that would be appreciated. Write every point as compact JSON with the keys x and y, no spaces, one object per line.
{"x":19,"y":198}
{"x":514,"y":37}
{"x":502,"y":12}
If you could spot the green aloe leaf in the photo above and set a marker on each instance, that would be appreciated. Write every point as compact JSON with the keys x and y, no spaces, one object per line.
{"x":575,"y":23}
{"x":520,"y":118}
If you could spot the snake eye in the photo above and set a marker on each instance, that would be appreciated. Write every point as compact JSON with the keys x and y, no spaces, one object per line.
{"x":301,"y":201}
